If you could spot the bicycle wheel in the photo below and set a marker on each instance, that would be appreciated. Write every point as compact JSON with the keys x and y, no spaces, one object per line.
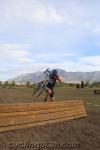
{"x":34,"y":92}
{"x":39,"y":92}
{"x":36,"y":88}
{"x":39,"y":87}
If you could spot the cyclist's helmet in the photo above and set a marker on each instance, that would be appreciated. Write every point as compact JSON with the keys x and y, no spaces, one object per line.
{"x":54,"y":73}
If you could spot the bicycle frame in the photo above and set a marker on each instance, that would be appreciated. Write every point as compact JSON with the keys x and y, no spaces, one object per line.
{"x":40,"y":86}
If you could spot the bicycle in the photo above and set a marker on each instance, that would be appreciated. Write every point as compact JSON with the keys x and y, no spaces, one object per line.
{"x":39,"y":86}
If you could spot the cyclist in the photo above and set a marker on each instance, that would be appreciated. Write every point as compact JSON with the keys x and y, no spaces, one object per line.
{"x":54,"y":77}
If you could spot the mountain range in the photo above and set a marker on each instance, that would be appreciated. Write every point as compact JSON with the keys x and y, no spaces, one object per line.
{"x":67,"y":77}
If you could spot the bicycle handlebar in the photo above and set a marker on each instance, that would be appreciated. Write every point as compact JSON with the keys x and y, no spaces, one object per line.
{"x":47,"y":71}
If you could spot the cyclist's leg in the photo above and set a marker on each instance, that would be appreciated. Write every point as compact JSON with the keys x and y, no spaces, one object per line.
{"x":46,"y":98}
{"x":48,"y":92}
{"x":52,"y":97}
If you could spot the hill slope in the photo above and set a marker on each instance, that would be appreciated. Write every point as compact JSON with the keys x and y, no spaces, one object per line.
{"x":66,"y":76}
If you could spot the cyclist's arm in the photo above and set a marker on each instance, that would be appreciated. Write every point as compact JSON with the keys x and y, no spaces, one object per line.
{"x":59,"y":79}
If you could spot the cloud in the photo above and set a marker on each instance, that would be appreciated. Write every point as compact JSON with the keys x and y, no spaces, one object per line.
{"x":82,"y":16}
{"x":29,"y":11}
{"x":67,"y":65}
{"x":75,"y":15}
{"x":82,"y":64}
{"x":47,"y":15}
{"x":24,"y":59}
{"x":13,"y":51}
{"x":91,"y":60}
{"x":52,"y":56}
{"x":62,"y":34}
{"x":22,"y":53}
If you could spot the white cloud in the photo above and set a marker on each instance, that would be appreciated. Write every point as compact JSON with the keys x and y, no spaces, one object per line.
{"x":83,"y":16}
{"x":68,"y":66}
{"x":75,"y":14}
{"x":91,"y":60}
{"x":82,"y":64}
{"x":29,"y":11}
{"x":47,"y":15}
{"x":24,"y":59}
{"x":55,"y":55}
{"x":36,"y":21}
{"x":13,"y":51}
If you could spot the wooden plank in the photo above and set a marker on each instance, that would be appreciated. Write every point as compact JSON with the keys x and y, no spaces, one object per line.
{"x":96,"y":91}
{"x":37,"y":106}
{"x":38,"y":117}
{"x":27,"y":113}
{"x":16,"y":116}
{"x":21,"y":126}
{"x":39,"y":103}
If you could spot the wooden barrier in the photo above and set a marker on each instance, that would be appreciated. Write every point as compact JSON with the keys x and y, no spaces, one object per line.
{"x":96,"y":91}
{"x":16,"y":116}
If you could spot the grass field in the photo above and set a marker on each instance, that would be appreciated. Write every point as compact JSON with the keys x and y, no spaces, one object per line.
{"x":22,"y":94}
{"x":85,"y":131}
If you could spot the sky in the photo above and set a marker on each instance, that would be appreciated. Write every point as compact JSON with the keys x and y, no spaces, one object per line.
{"x":40,"y":34}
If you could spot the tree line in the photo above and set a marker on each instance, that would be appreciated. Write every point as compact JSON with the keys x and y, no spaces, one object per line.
{"x":28,"y":84}
{"x":84,"y":84}
{"x":13,"y":84}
